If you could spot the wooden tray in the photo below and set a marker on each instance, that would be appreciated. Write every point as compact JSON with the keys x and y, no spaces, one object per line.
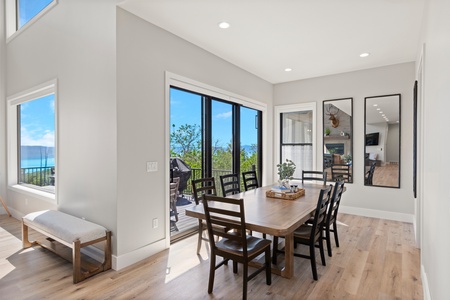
{"x":285,"y":195}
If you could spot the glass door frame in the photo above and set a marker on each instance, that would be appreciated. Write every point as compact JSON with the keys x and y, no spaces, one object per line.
{"x":183,"y":83}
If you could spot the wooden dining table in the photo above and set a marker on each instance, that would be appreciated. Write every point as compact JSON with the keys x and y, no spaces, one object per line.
{"x":274,"y":216}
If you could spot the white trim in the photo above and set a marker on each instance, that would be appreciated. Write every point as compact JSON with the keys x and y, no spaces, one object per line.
{"x":421,"y":124}
{"x":172,"y":79}
{"x":425,"y":285}
{"x":11,"y":16}
{"x":41,"y":90}
{"x":127,"y":259}
{"x":278,"y":109}
{"x":380,"y":214}
{"x":35,"y":193}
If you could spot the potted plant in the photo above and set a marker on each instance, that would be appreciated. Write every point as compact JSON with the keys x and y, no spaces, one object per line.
{"x":327,"y":131}
{"x":285,"y":172}
{"x":347,"y":158}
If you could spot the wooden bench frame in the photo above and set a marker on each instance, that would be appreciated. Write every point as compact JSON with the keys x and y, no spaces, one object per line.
{"x":80,"y":272}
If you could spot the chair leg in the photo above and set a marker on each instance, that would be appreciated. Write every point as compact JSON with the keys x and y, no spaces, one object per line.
{"x":328,"y":238}
{"x":212,"y":270}
{"x":245,"y":281}
{"x":322,"y":252}
{"x":200,"y":233}
{"x":274,"y":251}
{"x":336,"y":239}
{"x":235,"y":267}
{"x":312,"y":253}
{"x":268,"y":267}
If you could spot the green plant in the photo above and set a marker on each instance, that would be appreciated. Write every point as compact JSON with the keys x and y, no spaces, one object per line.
{"x":327,"y":131}
{"x":347,"y":158}
{"x":286,"y":169}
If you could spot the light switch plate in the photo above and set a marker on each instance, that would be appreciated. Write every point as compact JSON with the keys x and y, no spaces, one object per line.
{"x":152,"y":166}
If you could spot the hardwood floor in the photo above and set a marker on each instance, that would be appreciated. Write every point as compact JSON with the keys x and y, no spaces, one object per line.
{"x":377,"y":259}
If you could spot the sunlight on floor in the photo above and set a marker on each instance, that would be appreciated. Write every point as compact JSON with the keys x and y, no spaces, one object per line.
{"x":5,"y":268}
{"x":181,"y":261}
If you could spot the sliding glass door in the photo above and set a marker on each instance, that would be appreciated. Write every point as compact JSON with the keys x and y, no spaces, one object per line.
{"x":209,"y":137}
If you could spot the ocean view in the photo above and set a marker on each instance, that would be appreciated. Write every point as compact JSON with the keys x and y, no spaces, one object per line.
{"x":37,"y":162}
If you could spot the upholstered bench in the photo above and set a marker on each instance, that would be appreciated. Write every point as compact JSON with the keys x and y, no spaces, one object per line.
{"x":72,"y":232}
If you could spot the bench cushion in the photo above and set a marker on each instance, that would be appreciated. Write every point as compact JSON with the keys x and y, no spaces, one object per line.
{"x":64,"y":226}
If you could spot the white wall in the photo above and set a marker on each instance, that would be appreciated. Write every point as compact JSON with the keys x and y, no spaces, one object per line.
{"x":75,"y":43}
{"x":2,"y":108}
{"x":392,"y":144}
{"x":366,"y":200}
{"x":144,"y":53}
{"x":436,"y":180}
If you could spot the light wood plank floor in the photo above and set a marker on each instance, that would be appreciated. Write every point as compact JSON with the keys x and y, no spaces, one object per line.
{"x":377,"y":259}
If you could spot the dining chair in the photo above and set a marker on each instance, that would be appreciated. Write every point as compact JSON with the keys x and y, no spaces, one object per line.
{"x":250,"y":180}
{"x":225,"y":217}
{"x":331,"y":219}
{"x":173,"y":197}
{"x":199,"y":187}
{"x":341,"y":172}
{"x":311,"y":235}
{"x":230,"y":184}
{"x":369,"y":174}
{"x":314,"y":175}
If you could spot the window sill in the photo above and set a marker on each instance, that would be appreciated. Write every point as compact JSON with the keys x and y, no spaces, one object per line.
{"x":42,"y":195}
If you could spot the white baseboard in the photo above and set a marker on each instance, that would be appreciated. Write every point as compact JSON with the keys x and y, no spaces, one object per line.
{"x":16,"y":214}
{"x":373,"y":213}
{"x":127,"y":259}
{"x":425,"y":287}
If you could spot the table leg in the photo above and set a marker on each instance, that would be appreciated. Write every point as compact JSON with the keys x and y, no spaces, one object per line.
{"x":288,"y":270}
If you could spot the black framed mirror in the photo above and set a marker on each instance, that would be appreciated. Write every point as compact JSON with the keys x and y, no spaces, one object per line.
{"x":382,"y":127}
{"x":338,"y":139}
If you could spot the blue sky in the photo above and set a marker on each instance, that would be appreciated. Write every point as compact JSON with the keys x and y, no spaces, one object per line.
{"x":29,"y":8}
{"x":185,"y":108}
{"x":38,"y":122}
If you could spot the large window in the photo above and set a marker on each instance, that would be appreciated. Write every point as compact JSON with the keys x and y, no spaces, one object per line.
{"x":33,"y":142}
{"x":296,"y":135}
{"x":209,"y":137}
{"x":213,"y":136}
{"x":22,"y":13}
{"x":28,"y":9}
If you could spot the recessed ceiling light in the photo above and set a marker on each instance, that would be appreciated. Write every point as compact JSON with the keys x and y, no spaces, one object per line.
{"x":378,"y":108}
{"x":375,"y":105}
{"x":224,"y":25}
{"x":288,"y":69}
{"x":365,"y":54}
{"x":380,"y":112}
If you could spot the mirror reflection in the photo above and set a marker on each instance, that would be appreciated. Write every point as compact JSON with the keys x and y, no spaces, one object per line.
{"x":382,"y":141}
{"x":338,"y":139}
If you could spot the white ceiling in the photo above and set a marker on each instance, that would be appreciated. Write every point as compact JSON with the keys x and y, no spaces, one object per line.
{"x":388,"y":105}
{"x":313,"y":37}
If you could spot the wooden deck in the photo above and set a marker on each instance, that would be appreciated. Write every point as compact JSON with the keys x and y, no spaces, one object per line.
{"x":185,"y":224}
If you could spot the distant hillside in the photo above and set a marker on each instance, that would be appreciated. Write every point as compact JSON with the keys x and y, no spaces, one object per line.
{"x":248,"y":149}
{"x":37,"y":152}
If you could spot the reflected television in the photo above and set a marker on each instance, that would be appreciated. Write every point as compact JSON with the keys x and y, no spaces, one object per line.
{"x":372,"y":139}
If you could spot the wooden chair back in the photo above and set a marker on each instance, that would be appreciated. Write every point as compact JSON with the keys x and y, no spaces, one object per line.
{"x":335,"y":202}
{"x":230,"y":184}
{"x":203,"y":186}
{"x":341,"y":172}
{"x":320,"y":213}
{"x":314,"y":175}
{"x":250,"y":180}
{"x":225,"y":217}
{"x":369,"y":174}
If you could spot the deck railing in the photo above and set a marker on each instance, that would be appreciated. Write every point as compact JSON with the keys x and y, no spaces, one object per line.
{"x":197,"y":174}
{"x":40,"y":176}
